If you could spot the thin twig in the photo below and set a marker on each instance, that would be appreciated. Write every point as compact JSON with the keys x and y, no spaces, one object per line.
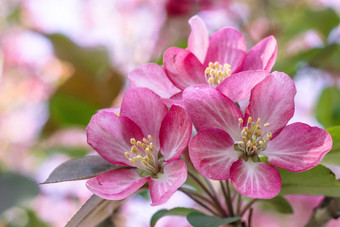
{"x":198,"y":201}
{"x":219,"y":207}
{"x":250,"y":216}
{"x":246,"y":207}
{"x":227,"y":198}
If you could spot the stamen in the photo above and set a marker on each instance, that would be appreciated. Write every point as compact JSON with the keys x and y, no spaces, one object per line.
{"x":216,"y":73}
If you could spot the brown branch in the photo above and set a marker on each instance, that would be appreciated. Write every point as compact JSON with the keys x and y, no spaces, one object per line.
{"x":328,"y":209}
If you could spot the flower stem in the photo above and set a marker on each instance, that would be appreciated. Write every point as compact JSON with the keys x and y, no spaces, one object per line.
{"x":185,"y":191}
{"x":218,"y":205}
{"x":250,"y":216}
{"x":226,"y":193}
{"x":246,"y":207}
{"x":239,"y":201}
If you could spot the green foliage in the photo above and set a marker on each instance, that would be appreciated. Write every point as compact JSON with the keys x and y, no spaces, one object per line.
{"x":333,"y":157}
{"x":316,"y":181}
{"x":328,"y":107}
{"x":178,"y":211}
{"x":93,"y":212}
{"x":197,"y":219}
{"x":278,"y":204}
{"x":79,"y":169}
{"x":15,"y":189}
{"x":93,"y":85}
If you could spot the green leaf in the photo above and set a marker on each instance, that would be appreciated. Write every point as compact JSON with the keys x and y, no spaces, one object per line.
{"x":316,"y":181}
{"x":328,"y":107}
{"x":179,"y":211}
{"x":79,"y":169}
{"x":333,"y":157}
{"x":93,"y":212}
{"x":15,"y":189}
{"x":278,"y":204}
{"x":197,"y":219}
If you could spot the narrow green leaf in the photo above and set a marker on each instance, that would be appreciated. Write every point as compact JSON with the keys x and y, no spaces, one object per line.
{"x":278,"y":204}
{"x":197,"y":219}
{"x":79,"y":169}
{"x":93,"y":212}
{"x":328,"y":107}
{"x":179,"y":211}
{"x":15,"y":189}
{"x":317,"y":181}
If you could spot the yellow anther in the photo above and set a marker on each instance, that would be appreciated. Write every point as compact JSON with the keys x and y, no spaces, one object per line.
{"x":211,"y":64}
{"x":261,"y":143}
{"x":269,"y":135}
{"x":132,"y":160}
{"x":258,"y":121}
{"x":212,"y":72}
{"x":150,"y":156}
{"x":144,"y":145}
{"x":266,"y":125}
{"x":240,"y":143}
{"x":250,"y":120}
{"x":240,"y":120}
{"x":134,"y":150}
{"x":145,"y":140}
{"x":207,"y":70}
{"x":139,"y":143}
{"x":140,"y":157}
{"x":249,"y":143}
{"x":127,"y":154}
{"x":216,"y":64}
{"x":244,"y":138}
{"x":147,"y":150}
{"x":244,"y":131}
{"x":151,"y":146}
{"x":150,"y":138}
{"x":254,"y":148}
{"x":133,"y":141}
{"x":219,"y":73}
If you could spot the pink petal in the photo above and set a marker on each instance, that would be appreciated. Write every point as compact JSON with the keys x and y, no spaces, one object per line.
{"x":176,"y":99}
{"x":227,"y":46}
{"x":162,"y":188}
{"x":261,"y":56}
{"x":208,"y":108}
{"x":198,"y":41}
{"x":146,"y":109}
{"x":175,"y":133}
{"x":298,"y":147}
{"x":212,"y":153}
{"x":255,"y":179}
{"x":153,"y":76}
{"x":116,"y":184}
{"x":183,"y":68}
{"x":237,"y":87}
{"x":110,"y":136}
{"x":272,"y":100}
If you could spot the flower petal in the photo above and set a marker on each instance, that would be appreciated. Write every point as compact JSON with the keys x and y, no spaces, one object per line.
{"x":198,"y":41}
{"x":237,"y":87}
{"x":183,"y":68}
{"x":208,"y":108}
{"x":298,"y":147}
{"x":272,"y":100}
{"x":146,"y":109}
{"x":255,"y":179}
{"x":227,"y":46}
{"x":175,"y":133}
{"x":110,"y":136}
{"x":116,"y":184}
{"x":153,"y":76}
{"x":162,"y":188}
{"x":261,"y":56}
{"x":212,"y":153}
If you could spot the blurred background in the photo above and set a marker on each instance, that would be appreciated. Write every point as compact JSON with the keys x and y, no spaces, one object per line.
{"x":62,"y":61}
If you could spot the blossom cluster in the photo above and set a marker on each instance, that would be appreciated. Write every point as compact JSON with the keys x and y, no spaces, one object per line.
{"x":220,"y":102}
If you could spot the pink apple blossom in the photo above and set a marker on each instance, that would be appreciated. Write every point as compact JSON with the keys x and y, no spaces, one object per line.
{"x":148,"y":140}
{"x":229,"y":144}
{"x":220,"y":60}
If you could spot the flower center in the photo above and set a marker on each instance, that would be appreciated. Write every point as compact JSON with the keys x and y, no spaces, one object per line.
{"x":216,"y":73}
{"x":143,"y":155}
{"x":253,"y":138}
